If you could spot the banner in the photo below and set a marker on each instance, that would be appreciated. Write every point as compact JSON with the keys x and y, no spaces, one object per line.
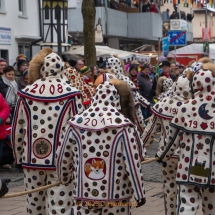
{"x":206,"y":34}
{"x":206,"y":51}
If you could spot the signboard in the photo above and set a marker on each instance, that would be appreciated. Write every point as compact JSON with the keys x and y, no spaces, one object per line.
{"x":206,"y":34}
{"x":177,"y":38}
{"x":178,"y":24}
{"x":165,"y":46}
{"x":5,"y":36}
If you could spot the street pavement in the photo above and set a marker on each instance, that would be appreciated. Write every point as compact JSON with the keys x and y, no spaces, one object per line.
{"x":153,"y":186}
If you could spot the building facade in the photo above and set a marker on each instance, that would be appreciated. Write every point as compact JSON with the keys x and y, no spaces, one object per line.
{"x":19,"y":27}
{"x":124,"y":27}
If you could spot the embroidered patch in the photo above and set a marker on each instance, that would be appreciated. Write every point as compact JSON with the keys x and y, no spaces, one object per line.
{"x":42,"y":148}
{"x":95,"y":168}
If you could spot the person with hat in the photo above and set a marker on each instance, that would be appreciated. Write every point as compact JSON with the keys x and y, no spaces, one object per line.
{"x":3,"y":64}
{"x":21,"y":65}
{"x":145,"y":88}
{"x":38,"y":128}
{"x":15,"y":66}
{"x":79,"y":64}
{"x":87,"y":74}
{"x":23,"y":81}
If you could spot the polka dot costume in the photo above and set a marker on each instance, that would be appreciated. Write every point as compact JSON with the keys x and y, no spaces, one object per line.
{"x":167,"y":84}
{"x":192,"y":131}
{"x":40,"y":119}
{"x":163,"y":112}
{"x":78,"y":82}
{"x":115,"y":65}
{"x":104,"y":151}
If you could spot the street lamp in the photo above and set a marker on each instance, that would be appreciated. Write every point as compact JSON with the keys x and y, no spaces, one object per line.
{"x":55,"y":15}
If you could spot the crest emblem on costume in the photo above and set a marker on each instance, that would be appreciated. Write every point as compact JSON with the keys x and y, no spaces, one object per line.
{"x":42,"y":148}
{"x":95,"y":168}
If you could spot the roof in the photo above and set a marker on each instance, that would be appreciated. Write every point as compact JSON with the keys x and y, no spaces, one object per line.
{"x":105,"y":51}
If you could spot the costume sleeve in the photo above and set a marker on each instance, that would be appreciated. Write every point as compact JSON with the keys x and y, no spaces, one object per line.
{"x":4,"y":114}
{"x":132,"y":163}
{"x":142,"y":101}
{"x":150,"y":131}
{"x":64,"y":157}
{"x":17,"y":131}
{"x":79,"y":105}
{"x":171,"y":144}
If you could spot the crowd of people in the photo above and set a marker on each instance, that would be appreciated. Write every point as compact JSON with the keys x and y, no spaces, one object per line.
{"x":89,"y":127}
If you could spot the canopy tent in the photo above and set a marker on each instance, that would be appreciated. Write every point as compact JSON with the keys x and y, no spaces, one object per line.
{"x":103,"y":52}
{"x":194,"y":48}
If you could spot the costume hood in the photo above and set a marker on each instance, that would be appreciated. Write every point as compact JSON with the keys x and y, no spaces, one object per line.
{"x":114,"y":65}
{"x":103,"y":113}
{"x":163,"y":86}
{"x":167,"y":107}
{"x":197,"y":115}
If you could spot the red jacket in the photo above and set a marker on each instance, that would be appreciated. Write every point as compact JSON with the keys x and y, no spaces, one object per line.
{"x":4,"y":114}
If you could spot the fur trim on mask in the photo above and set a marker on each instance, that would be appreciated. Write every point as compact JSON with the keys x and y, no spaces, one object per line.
{"x":205,"y":60}
{"x":36,"y":63}
{"x":159,"y":87}
{"x":190,"y":63}
{"x":126,"y":99}
{"x":209,"y":66}
{"x":189,"y":74}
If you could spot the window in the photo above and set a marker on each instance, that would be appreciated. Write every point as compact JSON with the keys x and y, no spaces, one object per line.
{"x":46,"y":12}
{"x":2,"y":5}
{"x":24,"y":49}
{"x":22,"y":9}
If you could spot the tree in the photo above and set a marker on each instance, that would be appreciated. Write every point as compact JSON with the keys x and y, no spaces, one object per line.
{"x":89,"y":16}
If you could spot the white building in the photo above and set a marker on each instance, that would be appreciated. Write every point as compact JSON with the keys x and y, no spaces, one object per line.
{"x":19,"y":27}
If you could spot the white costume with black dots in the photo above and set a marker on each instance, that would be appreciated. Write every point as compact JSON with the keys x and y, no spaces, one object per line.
{"x":40,"y":118}
{"x":101,"y":153}
{"x":163,"y":112}
{"x":193,"y":131}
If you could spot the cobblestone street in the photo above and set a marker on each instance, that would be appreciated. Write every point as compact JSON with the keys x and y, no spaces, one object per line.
{"x":152,"y":174}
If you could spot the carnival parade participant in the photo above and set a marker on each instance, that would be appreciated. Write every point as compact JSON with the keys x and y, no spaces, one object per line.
{"x":162,"y":113}
{"x":193,"y":131}
{"x":102,"y":147}
{"x":40,"y":118}
{"x":115,"y":66}
{"x":163,"y":86}
{"x":78,"y":82}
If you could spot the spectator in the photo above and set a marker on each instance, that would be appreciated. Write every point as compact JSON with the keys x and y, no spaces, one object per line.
{"x":3,"y":64}
{"x":9,"y":87}
{"x":133,"y":75}
{"x":172,"y":68}
{"x":21,"y":65}
{"x":183,"y":15}
{"x":167,"y":14}
{"x":146,"y":6}
{"x":153,"y":8}
{"x":95,"y":72}
{"x":86,"y":72}
{"x":181,"y":69}
{"x":166,"y":70}
{"x":145,"y":88}
{"x":4,"y":114}
{"x":79,"y":65}
{"x":17,"y":72}
{"x":23,"y":81}
{"x":173,"y":15}
{"x":190,"y":17}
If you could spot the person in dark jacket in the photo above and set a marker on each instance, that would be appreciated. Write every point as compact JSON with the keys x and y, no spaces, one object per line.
{"x":145,"y":88}
{"x":166,"y":71}
{"x":3,"y":186}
